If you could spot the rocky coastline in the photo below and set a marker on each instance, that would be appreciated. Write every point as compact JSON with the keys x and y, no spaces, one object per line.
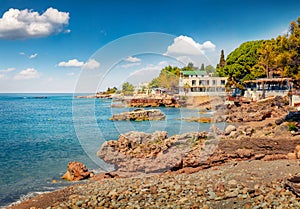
{"x":140,"y":114}
{"x":252,"y":163}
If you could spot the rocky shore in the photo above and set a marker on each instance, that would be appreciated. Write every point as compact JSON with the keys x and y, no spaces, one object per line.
{"x":244,"y":166}
{"x":240,"y":184}
{"x":140,"y":115}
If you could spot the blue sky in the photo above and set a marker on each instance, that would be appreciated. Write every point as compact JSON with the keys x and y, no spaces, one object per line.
{"x":51,"y":46}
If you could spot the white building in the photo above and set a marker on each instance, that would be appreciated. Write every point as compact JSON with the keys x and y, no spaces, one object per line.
{"x":262,"y":88}
{"x":199,"y":83}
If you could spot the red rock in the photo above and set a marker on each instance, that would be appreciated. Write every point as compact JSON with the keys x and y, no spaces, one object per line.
{"x":291,"y":156}
{"x":77,"y":171}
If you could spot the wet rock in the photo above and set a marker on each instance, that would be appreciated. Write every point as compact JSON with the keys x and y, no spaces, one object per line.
{"x":77,"y":171}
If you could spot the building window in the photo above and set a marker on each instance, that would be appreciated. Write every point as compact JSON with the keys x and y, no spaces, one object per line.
{"x":223,"y":82}
{"x":213,"y":82}
{"x":193,"y":82}
{"x":207,"y":82}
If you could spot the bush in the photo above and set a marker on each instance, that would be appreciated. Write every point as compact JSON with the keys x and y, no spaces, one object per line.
{"x":292,"y":126}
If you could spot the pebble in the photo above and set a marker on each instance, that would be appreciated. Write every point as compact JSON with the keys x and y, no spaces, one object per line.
{"x":196,"y":190}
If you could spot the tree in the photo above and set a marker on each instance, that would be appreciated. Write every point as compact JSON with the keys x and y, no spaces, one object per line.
{"x":111,"y":90}
{"x":267,"y":57}
{"x":189,"y":67}
{"x":127,"y":88}
{"x":202,"y":67}
{"x":210,"y":69}
{"x":168,"y":78}
{"x":222,"y":62}
{"x":241,"y":62}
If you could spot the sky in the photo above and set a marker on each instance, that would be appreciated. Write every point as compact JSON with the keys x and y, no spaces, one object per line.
{"x":90,"y":45}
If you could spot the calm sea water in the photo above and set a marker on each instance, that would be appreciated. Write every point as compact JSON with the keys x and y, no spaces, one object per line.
{"x":41,"y":133}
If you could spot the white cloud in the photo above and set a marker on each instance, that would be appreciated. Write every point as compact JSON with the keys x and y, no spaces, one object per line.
{"x":23,"y":24}
{"x":184,"y":45}
{"x":132,"y":59}
{"x":129,"y":65}
{"x":91,"y":64}
{"x":22,"y":53}
{"x":8,"y":70}
{"x":28,"y":73}
{"x":185,"y":59}
{"x":33,"y":56}
{"x":71,"y":63}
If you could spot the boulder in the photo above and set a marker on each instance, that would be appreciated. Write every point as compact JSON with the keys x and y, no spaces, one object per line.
{"x":229,"y":129}
{"x":77,"y":171}
{"x":140,"y":115}
{"x":293,"y":183}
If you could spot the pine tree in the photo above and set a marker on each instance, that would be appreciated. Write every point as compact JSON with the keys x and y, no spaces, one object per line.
{"x":202,"y":67}
{"x":222,"y":59}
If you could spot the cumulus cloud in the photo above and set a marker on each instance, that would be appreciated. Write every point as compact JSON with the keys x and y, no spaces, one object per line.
{"x":184,"y":45}
{"x":28,"y":73}
{"x":23,"y":24}
{"x":8,"y":70}
{"x":90,"y":64}
{"x":71,"y":63}
{"x":33,"y":56}
{"x":132,"y":59}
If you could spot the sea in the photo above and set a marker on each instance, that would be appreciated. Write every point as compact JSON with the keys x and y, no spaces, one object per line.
{"x":41,"y":133}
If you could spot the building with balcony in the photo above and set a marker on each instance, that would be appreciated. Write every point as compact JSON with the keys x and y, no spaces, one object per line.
{"x":199,"y":83}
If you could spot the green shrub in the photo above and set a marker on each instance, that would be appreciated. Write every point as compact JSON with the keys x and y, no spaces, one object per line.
{"x":292,"y":126}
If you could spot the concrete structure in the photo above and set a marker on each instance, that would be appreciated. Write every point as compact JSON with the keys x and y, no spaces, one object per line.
{"x":199,"y":83}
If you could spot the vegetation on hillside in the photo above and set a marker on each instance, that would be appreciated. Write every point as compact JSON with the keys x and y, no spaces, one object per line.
{"x":278,"y":57}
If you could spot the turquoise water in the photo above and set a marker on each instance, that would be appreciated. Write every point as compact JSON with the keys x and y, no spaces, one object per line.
{"x":41,"y":133}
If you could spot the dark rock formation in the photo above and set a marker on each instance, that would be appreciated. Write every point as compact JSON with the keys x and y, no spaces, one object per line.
{"x":140,"y":115}
{"x":77,"y":171}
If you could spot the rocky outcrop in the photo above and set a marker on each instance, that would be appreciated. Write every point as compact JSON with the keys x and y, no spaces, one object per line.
{"x":140,"y":115}
{"x":293,"y":183}
{"x":273,"y":108}
{"x":143,"y":152}
{"x":77,"y":171}
{"x":296,"y":154}
{"x":152,"y":102}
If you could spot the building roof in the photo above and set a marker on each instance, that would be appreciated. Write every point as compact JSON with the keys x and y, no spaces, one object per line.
{"x":266,"y":80}
{"x":194,"y":72}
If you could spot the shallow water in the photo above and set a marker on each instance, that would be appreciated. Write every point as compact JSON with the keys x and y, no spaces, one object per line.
{"x":41,"y":133}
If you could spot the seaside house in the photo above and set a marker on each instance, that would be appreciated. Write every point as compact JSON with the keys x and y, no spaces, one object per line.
{"x":266,"y":87}
{"x":199,"y":83}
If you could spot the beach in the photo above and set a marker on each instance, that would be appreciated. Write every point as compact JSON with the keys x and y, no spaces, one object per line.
{"x":239,"y":184}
